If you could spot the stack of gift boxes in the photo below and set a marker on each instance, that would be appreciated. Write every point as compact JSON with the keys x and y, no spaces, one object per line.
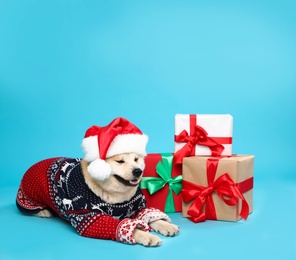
{"x":202,"y":178}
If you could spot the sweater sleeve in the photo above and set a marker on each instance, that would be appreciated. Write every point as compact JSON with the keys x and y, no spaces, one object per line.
{"x":150,"y":214}
{"x":98,"y":226}
{"x":106,"y":227}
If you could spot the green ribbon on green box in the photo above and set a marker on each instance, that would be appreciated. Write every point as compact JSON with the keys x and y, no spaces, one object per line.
{"x":154,"y":184}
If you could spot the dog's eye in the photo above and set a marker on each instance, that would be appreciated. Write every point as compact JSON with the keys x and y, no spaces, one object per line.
{"x":136,"y":159}
{"x":120,"y":161}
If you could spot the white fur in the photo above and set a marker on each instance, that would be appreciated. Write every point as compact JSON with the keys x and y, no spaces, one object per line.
{"x":90,"y":148}
{"x":128,"y":143}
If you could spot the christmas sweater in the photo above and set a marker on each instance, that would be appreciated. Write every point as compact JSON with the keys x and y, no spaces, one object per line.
{"x":58,"y":184}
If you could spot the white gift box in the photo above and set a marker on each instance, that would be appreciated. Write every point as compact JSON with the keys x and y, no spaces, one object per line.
{"x":217,"y":126}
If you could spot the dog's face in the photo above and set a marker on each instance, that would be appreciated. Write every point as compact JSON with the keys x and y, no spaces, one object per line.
{"x":127,"y":169}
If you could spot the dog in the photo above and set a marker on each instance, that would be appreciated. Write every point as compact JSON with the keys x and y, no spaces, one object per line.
{"x":109,"y":206}
{"x":121,"y":186}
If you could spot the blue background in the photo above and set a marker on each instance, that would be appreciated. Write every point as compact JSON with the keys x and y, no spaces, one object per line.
{"x":66,"y":65}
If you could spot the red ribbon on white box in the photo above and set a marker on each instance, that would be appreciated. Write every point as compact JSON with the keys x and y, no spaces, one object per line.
{"x":202,"y":135}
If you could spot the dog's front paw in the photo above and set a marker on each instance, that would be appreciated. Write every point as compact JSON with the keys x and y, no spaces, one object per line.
{"x":165,"y":228}
{"x":145,"y":238}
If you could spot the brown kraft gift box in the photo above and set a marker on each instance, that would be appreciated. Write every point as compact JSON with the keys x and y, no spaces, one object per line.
{"x":240,"y":169}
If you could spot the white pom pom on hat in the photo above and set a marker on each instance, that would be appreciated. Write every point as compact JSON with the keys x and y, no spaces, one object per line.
{"x":99,"y":143}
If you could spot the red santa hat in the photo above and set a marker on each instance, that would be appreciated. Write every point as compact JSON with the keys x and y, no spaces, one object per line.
{"x":99,"y":143}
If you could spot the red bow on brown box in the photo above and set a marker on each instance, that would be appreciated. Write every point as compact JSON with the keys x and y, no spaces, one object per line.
{"x":217,"y":188}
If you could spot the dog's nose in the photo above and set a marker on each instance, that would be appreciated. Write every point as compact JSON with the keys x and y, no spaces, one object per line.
{"x":137,"y":172}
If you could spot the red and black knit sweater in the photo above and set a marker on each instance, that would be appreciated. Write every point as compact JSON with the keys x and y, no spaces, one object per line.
{"x":58,"y":184}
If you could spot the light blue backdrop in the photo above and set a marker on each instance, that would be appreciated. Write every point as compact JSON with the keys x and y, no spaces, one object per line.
{"x":66,"y":65}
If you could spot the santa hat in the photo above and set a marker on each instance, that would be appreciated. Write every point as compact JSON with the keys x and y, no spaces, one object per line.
{"x":99,"y":143}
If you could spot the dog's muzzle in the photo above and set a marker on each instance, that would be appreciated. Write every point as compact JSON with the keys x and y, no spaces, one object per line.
{"x":137,"y":173}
